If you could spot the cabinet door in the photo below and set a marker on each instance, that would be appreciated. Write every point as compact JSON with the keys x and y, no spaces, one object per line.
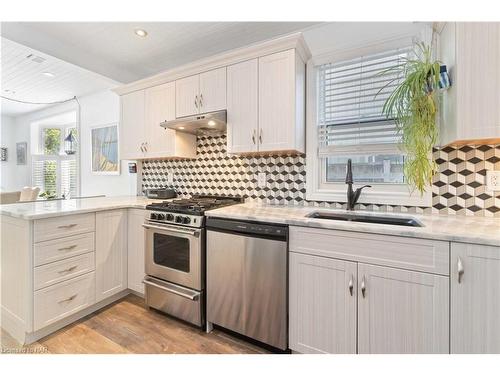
{"x":187,"y":92}
{"x":277,"y":101}
{"x":322,"y":309}
{"x":132,"y":125}
{"x":212,"y":90}
{"x":242,"y":106}
{"x":160,"y":107}
{"x":475,"y":300}
{"x":478,"y":79}
{"x":135,"y":249}
{"x":111,"y":253}
{"x":402,"y":311}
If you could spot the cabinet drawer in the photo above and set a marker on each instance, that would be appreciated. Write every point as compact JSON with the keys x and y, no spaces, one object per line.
{"x":57,"y":227}
{"x":61,"y":300}
{"x":62,"y":248}
{"x":62,"y":270}
{"x":400,"y":252}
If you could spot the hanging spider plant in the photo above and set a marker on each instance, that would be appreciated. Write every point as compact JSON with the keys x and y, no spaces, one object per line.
{"x":413,"y":105}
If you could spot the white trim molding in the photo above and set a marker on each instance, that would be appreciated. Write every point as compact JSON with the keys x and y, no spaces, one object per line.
{"x":318,"y":190}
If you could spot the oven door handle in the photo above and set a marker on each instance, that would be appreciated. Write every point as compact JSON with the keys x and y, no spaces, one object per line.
{"x":193,"y":296}
{"x":193,"y":232}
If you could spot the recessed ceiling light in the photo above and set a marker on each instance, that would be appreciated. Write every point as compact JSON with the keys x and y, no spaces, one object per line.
{"x":49,"y":74}
{"x":211,"y":123}
{"x":141,"y":32}
{"x":181,"y":127}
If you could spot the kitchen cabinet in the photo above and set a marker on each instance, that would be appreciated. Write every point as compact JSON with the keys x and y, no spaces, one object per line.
{"x":135,"y":246}
{"x":242,"y":106}
{"x":132,"y":128}
{"x":470,"y":109}
{"x":141,"y":136}
{"x":475,"y":298}
{"x":401,"y":312}
{"x":265,"y":104}
{"x":160,"y":142}
{"x":111,"y":253}
{"x":201,"y":93}
{"x":395,"y":310}
{"x":322,"y":305}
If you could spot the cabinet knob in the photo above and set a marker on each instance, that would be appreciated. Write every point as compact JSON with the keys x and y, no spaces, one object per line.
{"x":351,"y":285}
{"x":460,"y":269}
{"x":363,"y":287}
{"x":196,"y":101}
{"x":253,"y":137}
{"x":260,"y":136}
{"x":201,"y":100}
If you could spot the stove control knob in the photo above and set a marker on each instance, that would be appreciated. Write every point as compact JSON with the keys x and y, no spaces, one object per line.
{"x":170,"y":217}
{"x":186,"y":220}
{"x":160,"y":217}
{"x":154,"y":216}
{"x":178,"y":219}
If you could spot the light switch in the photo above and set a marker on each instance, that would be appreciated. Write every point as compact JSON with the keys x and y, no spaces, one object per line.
{"x":261,"y":179}
{"x":493,"y":180}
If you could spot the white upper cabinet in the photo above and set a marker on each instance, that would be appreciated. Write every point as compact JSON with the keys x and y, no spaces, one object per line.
{"x":161,"y":142}
{"x":212,"y":90}
{"x":132,"y":129}
{"x":187,"y":96}
{"x":470,"y":110}
{"x":475,"y":299}
{"x":242,"y":106}
{"x":281,"y":102}
{"x":201,"y":93}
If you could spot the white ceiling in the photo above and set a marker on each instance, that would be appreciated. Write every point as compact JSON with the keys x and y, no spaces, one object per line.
{"x":113,"y":50}
{"x":23,"y":79}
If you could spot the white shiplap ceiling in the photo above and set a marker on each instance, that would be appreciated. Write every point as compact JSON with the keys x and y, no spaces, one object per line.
{"x":113,"y":50}
{"x":23,"y":79}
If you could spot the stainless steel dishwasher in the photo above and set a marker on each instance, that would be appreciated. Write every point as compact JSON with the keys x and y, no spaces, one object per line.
{"x":247,"y":279}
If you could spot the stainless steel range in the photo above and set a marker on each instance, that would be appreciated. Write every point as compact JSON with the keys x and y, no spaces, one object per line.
{"x":175,"y":255}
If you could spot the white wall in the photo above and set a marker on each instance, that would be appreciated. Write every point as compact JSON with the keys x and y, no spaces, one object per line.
{"x":95,"y":109}
{"x":12,"y":176}
{"x":100,"y":109}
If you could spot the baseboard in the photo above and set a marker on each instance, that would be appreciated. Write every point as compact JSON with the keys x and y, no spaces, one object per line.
{"x":13,"y":325}
{"x":135,"y":293}
{"x":35,"y":336}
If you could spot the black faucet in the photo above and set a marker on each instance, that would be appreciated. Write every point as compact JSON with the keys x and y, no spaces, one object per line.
{"x":352,"y":196}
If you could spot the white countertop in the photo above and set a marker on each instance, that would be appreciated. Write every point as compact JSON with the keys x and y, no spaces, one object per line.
{"x":45,"y":209}
{"x":469,"y":229}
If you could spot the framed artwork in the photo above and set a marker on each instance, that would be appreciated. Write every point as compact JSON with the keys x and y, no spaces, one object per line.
{"x":21,"y":153}
{"x":105,"y":159}
{"x":3,"y":153}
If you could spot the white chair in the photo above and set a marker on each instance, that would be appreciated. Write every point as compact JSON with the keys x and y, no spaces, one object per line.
{"x":29,"y":193}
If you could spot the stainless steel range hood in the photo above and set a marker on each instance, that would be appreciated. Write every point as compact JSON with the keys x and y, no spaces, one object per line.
{"x":212,"y":123}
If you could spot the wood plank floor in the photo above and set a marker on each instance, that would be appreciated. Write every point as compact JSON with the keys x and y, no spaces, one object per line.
{"x":127,"y":326}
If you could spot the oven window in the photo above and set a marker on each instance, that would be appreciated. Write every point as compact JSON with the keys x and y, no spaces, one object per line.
{"x":171,"y":252}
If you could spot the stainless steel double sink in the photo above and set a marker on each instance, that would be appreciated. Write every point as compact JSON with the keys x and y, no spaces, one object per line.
{"x":363,"y":218}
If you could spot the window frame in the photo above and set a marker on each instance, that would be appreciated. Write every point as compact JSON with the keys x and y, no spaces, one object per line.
{"x":317,"y":189}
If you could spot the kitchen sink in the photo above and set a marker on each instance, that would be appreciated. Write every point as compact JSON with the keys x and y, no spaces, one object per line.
{"x":373,"y":219}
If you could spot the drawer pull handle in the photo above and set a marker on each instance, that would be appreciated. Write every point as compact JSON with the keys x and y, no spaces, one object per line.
{"x":460,"y":269}
{"x":67,"y":248}
{"x":351,"y":285}
{"x":68,"y":269}
{"x":69,"y":299}
{"x":363,"y":287}
{"x":67,"y":226}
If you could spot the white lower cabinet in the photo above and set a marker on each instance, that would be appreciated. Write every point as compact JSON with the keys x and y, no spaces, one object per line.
{"x":322,"y":305}
{"x":136,"y":249}
{"x":111,"y":253}
{"x":475,"y":298}
{"x":345,"y":306}
{"x":402,"y":311}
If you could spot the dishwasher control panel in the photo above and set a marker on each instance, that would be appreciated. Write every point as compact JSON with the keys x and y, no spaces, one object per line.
{"x":248,"y":228}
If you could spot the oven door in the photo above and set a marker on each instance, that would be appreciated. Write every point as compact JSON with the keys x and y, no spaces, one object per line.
{"x":175,"y":254}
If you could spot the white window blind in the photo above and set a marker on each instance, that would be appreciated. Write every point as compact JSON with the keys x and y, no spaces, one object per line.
{"x":56,"y":175}
{"x":351,"y":95}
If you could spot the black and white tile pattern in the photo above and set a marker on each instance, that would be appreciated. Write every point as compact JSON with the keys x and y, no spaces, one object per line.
{"x":458,"y":188}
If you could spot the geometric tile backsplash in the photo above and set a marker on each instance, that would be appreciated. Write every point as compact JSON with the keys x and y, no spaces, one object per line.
{"x":458,"y":188}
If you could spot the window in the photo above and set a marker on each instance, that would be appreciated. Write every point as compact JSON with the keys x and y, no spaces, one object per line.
{"x":348,"y":123}
{"x":55,"y":166}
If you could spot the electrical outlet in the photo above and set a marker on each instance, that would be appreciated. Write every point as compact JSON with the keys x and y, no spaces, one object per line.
{"x":261,"y":179}
{"x":170,"y":178}
{"x":493,"y":180}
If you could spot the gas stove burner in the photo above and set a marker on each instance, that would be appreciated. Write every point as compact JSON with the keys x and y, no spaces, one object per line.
{"x":196,"y":205}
